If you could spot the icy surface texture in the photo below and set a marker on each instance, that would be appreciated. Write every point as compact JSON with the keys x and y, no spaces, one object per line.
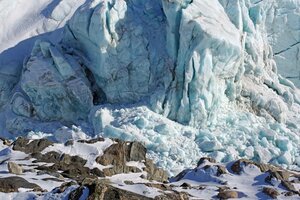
{"x":177,"y":52}
{"x":184,"y":77}
{"x":283,"y":27}
{"x":124,"y":44}
{"x":56,"y":86}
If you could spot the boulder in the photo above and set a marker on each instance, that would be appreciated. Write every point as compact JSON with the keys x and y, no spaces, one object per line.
{"x":12,"y":184}
{"x":101,"y":190}
{"x":14,"y":168}
{"x":271,"y":192}
{"x":27,"y":146}
{"x":122,"y":152}
{"x":202,"y":160}
{"x":228,"y":194}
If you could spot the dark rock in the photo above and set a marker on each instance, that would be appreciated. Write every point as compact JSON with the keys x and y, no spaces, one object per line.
{"x":54,"y":174}
{"x":173,"y":196}
{"x":5,"y":141}
{"x":237,"y":166}
{"x":12,"y":184}
{"x":221,"y":170}
{"x":185,"y":185}
{"x":97,"y":172}
{"x":100,"y":190}
{"x":49,"y":157}
{"x":35,"y":146}
{"x":67,"y":159}
{"x":72,"y":166}
{"x":128,"y":182}
{"x":271,"y":192}
{"x":228,"y":194}
{"x":180,"y":175}
{"x":64,"y":186}
{"x":288,"y":194}
{"x":281,"y":175}
{"x":202,"y":160}
{"x":155,"y":173}
{"x":92,"y":141}
{"x":223,"y":188}
{"x":119,"y":169}
{"x":69,"y":143}
{"x":52,"y":179}
{"x":289,"y":186}
{"x":76,"y":194}
{"x":122,"y":152}
{"x":159,"y":186}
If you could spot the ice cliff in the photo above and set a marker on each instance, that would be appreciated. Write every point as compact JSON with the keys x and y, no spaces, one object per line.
{"x":185,"y":77}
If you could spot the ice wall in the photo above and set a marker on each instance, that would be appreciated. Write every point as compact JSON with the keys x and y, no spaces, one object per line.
{"x":181,"y":54}
{"x":283,"y":27}
{"x":206,"y":64}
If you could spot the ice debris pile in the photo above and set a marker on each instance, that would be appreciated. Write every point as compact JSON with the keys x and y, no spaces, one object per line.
{"x":186,"y":78}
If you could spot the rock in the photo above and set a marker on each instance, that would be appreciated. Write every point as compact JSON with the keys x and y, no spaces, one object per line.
{"x":281,"y":175}
{"x":128,"y":182}
{"x":236,"y":167}
{"x":120,"y":169}
{"x":72,"y":166}
{"x":180,"y":175}
{"x":160,"y":186}
{"x":92,"y":141}
{"x":53,"y":179}
{"x":75,"y":160}
{"x":122,"y":152}
{"x":14,"y":168}
{"x":55,"y":174}
{"x":97,"y":172}
{"x":154,"y":173}
{"x":185,"y":185}
{"x":101,"y":190}
{"x":221,"y":170}
{"x":228,"y":194}
{"x":49,"y":157}
{"x":271,"y":192}
{"x":12,"y":184}
{"x":27,"y":146}
{"x":64,"y":186}
{"x":76,"y":194}
{"x":202,"y":160}
{"x":5,"y":141}
{"x":173,"y":196}
{"x":289,"y":186}
{"x":69,"y":143}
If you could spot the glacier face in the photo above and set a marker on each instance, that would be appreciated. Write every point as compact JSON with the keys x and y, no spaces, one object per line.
{"x":283,"y":28}
{"x":206,"y":64}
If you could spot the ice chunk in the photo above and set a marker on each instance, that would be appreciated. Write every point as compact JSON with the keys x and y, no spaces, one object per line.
{"x":54,"y":90}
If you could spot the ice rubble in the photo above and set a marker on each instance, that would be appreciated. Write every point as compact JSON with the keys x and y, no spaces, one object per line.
{"x":204,"y":64}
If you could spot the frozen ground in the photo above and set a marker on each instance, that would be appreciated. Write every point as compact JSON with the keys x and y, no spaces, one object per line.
{"x":207,"y":181}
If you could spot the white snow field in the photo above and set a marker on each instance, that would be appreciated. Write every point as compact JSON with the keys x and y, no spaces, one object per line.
{"x":186,"y":78}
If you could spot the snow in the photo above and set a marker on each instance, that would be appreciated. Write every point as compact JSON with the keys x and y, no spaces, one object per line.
{"x":185,"y":78}
{"x":87,"y":151}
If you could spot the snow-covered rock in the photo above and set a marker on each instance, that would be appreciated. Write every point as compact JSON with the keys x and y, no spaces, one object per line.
{"x":186,"y":78}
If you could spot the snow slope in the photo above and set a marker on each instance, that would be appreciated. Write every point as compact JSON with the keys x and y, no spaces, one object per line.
{"x":186,"y":78}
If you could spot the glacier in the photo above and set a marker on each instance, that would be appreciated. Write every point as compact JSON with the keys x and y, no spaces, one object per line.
{"x":186,"y":78}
